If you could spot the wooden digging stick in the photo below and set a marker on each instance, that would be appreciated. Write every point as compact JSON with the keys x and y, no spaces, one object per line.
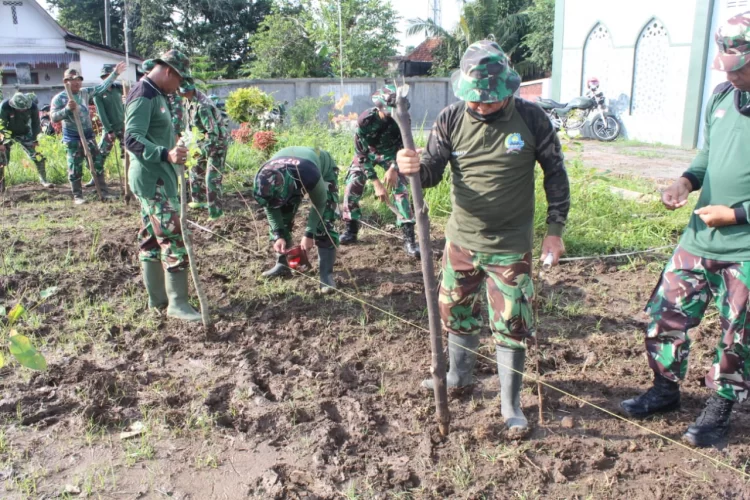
{"x":189,"y":247}
{"x":546,"y":265}
{"x":428,"y":274}
{"x":126,"y":157}
{"x":84,"y":142}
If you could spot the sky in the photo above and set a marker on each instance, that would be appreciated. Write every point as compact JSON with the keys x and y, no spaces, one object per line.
{"x":407,"y":9}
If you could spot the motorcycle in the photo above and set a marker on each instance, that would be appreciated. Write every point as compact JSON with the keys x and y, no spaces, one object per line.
{"x":590,"y":109}
{"x":46,"y":121}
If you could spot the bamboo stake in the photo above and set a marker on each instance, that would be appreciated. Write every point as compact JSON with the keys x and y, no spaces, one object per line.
{"x":79,"y":127}
{"x":126,"y":157}
{"x":545,"y":266}
{"x":428,"y":273}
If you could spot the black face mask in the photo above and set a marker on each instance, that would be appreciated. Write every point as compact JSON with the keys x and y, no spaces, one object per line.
{"x":744,"y":111}
{"x":485,"y":118}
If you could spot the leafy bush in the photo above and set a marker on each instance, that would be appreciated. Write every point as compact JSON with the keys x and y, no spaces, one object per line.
{"x":264,"y":141}
{"x":248,"y":104}
{"x":244,"y":134}
{"x":306,"y":111}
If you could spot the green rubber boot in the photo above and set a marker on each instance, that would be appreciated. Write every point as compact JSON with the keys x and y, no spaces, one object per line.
{"x":326,"y":259}
{"x":280,"y":270}
{"x":103,"y":186}
{"x":462,"y":355}
{"x":177,"y":292}
{"x":510,"y":368}
{"x":153,"y":278}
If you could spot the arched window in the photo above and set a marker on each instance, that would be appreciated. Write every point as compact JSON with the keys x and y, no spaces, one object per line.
{"x":597,"y":56}
{"x":650,"y":70}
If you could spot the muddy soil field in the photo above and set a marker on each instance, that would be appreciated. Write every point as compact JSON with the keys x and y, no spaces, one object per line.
{"x":295,"y":395}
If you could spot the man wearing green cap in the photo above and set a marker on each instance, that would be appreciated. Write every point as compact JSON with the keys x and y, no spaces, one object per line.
{"x":151,"y":143}
{"x":63,"y":110}
{"x":492,"y":141}
{"x":376,"y":142}
{"x":19,"y":124}
{"x":712,"y":258}
{"x":280,"y":185}
{"x":112,"y":115}
{"x":206,"y":173}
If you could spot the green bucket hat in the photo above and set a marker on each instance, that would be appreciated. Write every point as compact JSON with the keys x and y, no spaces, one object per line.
{"x":485,"y":74}
{"x":72,"y":74}
{"x":733,"y":39}
{"x":187,"y":85}
{"x":20,"y":101}
{"x":177,"y":61}
{"x":385,"y":98}
{"x":148,"y":65}
{"x":107,"y":69}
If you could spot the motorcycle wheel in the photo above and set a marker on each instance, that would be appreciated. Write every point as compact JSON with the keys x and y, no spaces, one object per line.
{"x":607,"y":129}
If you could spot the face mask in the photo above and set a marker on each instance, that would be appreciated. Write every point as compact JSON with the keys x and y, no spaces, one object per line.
{"x":485,"y":118}
{"x":738,"y":102}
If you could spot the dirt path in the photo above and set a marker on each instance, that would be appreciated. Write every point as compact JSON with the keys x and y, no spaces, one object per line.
{"x":662,"y":163}
{"x":301,"y":396}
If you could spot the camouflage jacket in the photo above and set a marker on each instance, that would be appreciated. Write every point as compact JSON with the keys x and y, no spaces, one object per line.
{"x":206,"y":117}
{"x":376,"y":141}
{"x":177,"y":109}
{"x":23,"y":126}
{"x":59,"y":113}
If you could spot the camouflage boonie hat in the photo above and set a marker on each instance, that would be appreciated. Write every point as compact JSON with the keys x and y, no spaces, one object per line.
{"x":187,"y":85}
{"x":733,"y":39}
{"x":485,"y":74}
{"x":385,"y":97}
{"x":33,"y":97}
{"x":72,"y":74}
{"x":177,"y":61}
{"x":148,"y":65}
{"x":20,"y":101}
{"x":107,"y":69}
{"x":271,"y":188}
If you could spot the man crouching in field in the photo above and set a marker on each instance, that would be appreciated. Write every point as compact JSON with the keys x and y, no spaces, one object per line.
{"x":492,"y":141}
{"x":713,"y":257}
{"x":150,"y":141}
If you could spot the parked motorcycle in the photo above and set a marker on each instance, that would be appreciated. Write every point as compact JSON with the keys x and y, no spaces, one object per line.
{"x":590,"y":109}
{"x":46,"y":121}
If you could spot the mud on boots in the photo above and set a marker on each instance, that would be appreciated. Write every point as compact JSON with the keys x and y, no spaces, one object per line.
{"x":411,"y":247}
{"x":462,"y":356}
{"x":662,"y":397}
{"x":510,"y":368}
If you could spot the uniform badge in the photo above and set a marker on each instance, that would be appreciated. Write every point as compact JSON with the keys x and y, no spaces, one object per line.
{"x":163,"y":109}
{"x":514,"y":143}
{"x":720,"y":113}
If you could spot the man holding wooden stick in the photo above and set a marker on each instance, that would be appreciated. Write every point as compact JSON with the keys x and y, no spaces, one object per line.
{"x":109,"y":106}
{"x":64,"y":109}
{"x":492,"y":141}
{"x":151,"y":144}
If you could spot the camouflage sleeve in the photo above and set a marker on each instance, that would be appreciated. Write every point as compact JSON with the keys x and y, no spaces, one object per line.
{"x":437,"y":154}
{"x":362,"y":147}
{"x":58,"y":111}
{"x":550,"y":157}
{"x":102,"y":87}
{"x":208,"y":125}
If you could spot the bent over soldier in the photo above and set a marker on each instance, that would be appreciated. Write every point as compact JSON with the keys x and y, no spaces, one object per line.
{"x":376,"y":142}
{"x":111,"y":112}
{"x":492,"y":141}
{"x":19,"y":119}
{"x":207,"y":173}
{"x":712,"y":259}
{"x":280,"y":185}
{"x":63,"y":110}
{"x":150,"y":141}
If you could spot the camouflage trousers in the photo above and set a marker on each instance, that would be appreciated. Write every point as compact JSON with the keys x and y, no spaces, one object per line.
{"x":509,"y":288}
{"x":325,"y":235}
{"x":678,"y":304}
{"x":77,"y":159}
{"x":29,"y":148}
{"x":356,"y":179}
{"x":206,"y":177}
{"x":107,"y":142}
{"x":160,"y":235}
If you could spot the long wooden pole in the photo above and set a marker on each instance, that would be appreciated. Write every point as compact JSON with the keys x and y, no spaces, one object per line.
{"x":126,"y":157}
{"x":403,"y":118}
{"x":126,"y":87}
{"x":84,"y":143}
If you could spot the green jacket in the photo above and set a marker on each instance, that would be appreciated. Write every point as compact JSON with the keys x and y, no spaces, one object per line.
{"x":149,"y":137}
{"x":722,"y":172}
{"x":22,"y":125}
{"x":111,"y":110}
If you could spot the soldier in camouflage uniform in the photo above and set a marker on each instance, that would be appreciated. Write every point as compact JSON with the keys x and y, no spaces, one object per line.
{"x":712,"y":259}
{"x":19,"y":124}
{"x":492,"y":141}
{"x":376,"y":142}
{"x":111,"y":112}
{"x":280,"y":185}
{"x":63,"y":111}
{"x":206,"y":174}
{"x":151,"y":143}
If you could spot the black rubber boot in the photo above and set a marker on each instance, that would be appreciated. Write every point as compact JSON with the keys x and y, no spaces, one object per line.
{"x":410,"y":244}
{"x":78,"y":198}
{"x":510,"y":368}
{"x":350,"y":235}
{"x":41,"y":169}
{"x":462,"y":355}
{"x":326,"y":259}
{"x":712,"y":425}
{"x":90,"y":183}
{"x":105,"y":190}
{"x":662,"y":397}
{"x":280,"y":270}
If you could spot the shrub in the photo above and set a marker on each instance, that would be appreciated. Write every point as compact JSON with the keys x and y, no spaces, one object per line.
{"x":264,"y":141}
{"x":248,"y":105}
{"x":307,"y":110}
{"x":244,"y":134}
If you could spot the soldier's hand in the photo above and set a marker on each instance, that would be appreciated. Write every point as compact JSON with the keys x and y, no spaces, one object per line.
{"x":408,"y":161}
{"x":307,"y":243}
{"x":380,"y":192}
{"x":120,"y":68}
{"x":717,"y":215}
{"x":279,"y":246}
{"x":391,"y":178}
{"x":72,"y":105}
{"x":552,"y":245}
{"x":178,"y":155}
{"x":676,"y":195}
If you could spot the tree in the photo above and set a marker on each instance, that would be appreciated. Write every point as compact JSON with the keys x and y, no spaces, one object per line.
{"x":85,"y":18}
{"x":292,"y":55}
{"x":369,"y":34}
{"x":540,"y":38}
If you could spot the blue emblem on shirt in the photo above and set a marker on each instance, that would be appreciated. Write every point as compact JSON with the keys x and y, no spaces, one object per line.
{"x":514,"y":143}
